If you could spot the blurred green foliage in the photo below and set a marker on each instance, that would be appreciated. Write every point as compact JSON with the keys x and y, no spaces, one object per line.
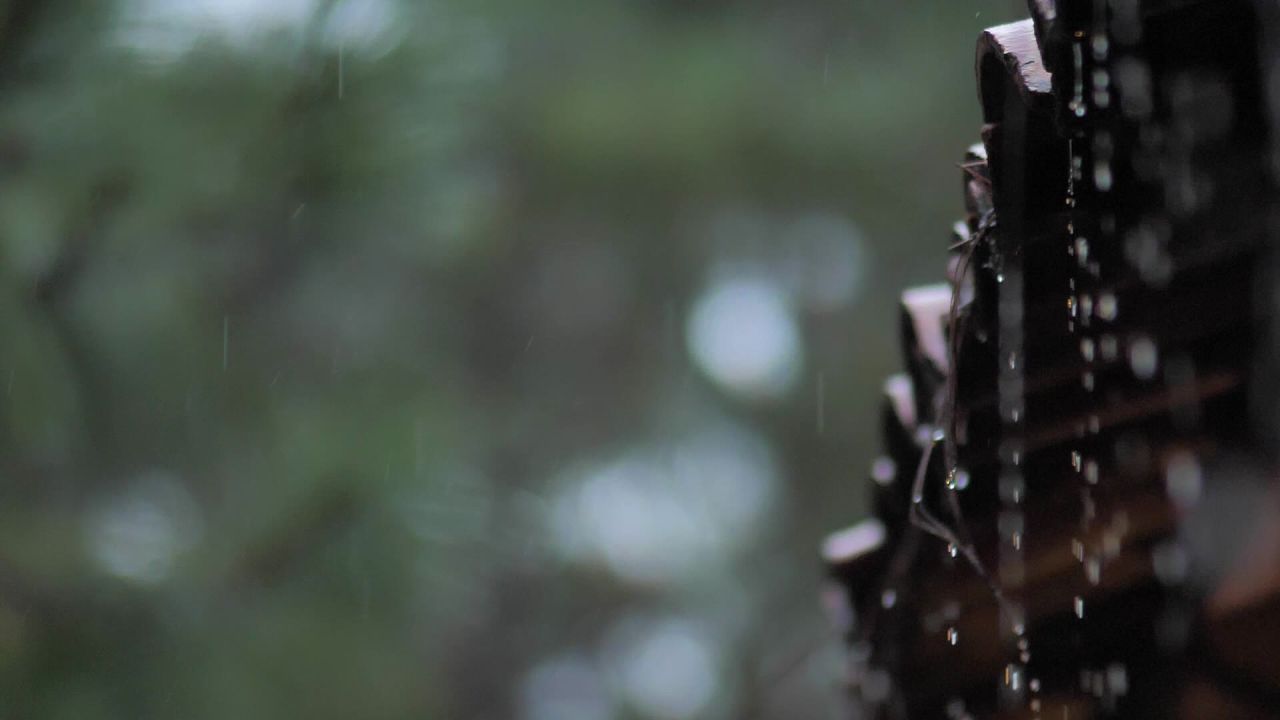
{"x":305,"y":321}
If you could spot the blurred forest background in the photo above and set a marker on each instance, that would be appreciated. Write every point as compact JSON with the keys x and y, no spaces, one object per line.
{"x":455,"y":359}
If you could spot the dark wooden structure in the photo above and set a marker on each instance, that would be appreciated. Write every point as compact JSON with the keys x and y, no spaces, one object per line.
{"x":1078,"y":512}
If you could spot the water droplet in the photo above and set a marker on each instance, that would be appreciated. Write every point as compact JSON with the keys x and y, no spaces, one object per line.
{"x":1143,"y":357}
{"x":1013,"y":683}
{"x":1087,"y":348}
{"x":1102,"y":176}
{"x":1100,"y":45}
{"x":1078,"y":604}
{"x":952,"y":550}
{"x":1107,"y":306}
{"x":1101,"y":89}
{"x":888,"y":598}
{"x":1117,"y":679}
{"x":1093,"y":570}
{"x":1091,"y":472}
{"x":1012,"y":488}
{"x":953,"y":635}
{"x":1075,"y":460}
{"x":1034,"y":685}
{"x":1082,"y":251}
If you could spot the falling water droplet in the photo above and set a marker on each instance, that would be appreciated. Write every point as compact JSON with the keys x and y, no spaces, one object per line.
{"x":1078,"y":604}
{"x":953,"y":636}
{"x":888,"y":598}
